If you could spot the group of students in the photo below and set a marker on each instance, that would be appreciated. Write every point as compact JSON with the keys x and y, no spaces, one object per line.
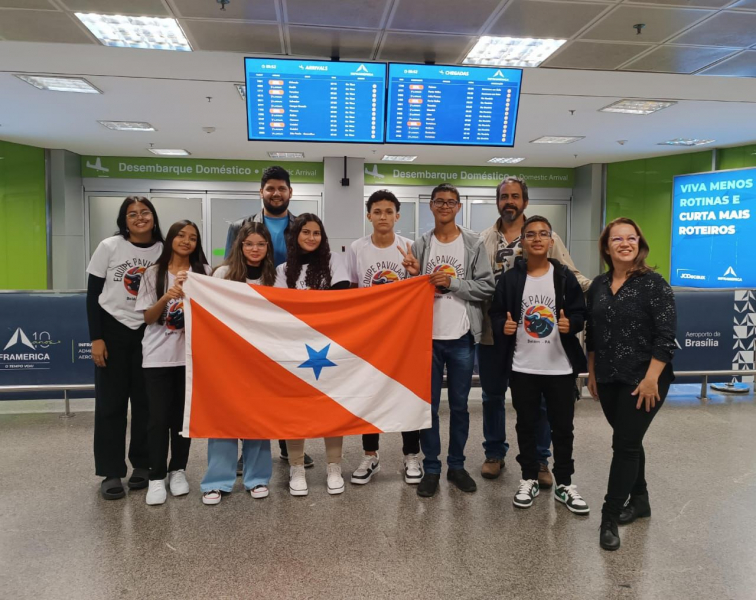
{"x":510,"y":294}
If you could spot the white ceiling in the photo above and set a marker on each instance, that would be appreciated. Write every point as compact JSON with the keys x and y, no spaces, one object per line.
{"x":169,"y":89}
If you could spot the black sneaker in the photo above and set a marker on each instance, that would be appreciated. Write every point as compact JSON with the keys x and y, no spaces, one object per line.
{"x":527,"y":491}
{"x":462,"y":480}
{"x":428,"y":485}
{"x":608,"y":534}
{"x":308,"y":460}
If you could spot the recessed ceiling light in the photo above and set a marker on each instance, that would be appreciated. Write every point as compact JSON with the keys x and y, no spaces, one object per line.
{"x":127,"y":125}
{"x":242,"y":89}
{"x":557,"y":139}
{"x":60,"y":84}
{"x":637,"y":107}
{"x":286,"y":154}
{"x":511,"y":51}
{"x":155,"y":33}
{"x":399,"y":158}
{"x":502,"y":160}
{"x":169,"y":151}
{"x":686,"y":142}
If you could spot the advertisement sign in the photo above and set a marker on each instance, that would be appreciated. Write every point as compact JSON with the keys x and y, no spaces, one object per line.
{"x":713,"y":229}
{"x":44,"y":340}
{"x":193,"y":169}
{"x":537,"y":177}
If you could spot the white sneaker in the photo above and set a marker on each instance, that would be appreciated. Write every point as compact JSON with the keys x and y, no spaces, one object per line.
{"x":156,"y":493}
{"x":259,"y":491}
{"x":335,"y":481}
{"x":177,"y":483}
{"x":297,"y":481}
{"x":413,"y":472}
{"x":211,"y":497}
{"x":527,"y":491}
{"x":368,"y":467}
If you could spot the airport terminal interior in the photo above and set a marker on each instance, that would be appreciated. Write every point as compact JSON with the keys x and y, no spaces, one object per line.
{"x":602,"y":109}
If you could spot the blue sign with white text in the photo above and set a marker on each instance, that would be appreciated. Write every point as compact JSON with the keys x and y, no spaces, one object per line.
{"x":460,"y":105}
{"x":713,"y":230}
{"x":315,"y":100}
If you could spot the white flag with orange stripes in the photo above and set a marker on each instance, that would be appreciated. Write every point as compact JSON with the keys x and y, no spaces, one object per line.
{"x":272,"y":363}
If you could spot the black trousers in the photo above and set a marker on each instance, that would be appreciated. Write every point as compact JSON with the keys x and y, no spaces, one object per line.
{"x":410,"y":442}
{"x":559,"y":392}
{"x":165,"y":389}
{"x":120,"y":380}
{"x":627,"y":474}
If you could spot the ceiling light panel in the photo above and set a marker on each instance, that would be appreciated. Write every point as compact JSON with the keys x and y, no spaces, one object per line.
{"x":398,"y":158}
{"x":512,"y":52}
{"x":127,"y":125}
{"x":557,"y":139}
{"x":505,"y":160}
{"x":169,"y":151}
{"x":122,"y":31}
{"x":60,"y":84}
{"x":637,"y":107}
{"x":686,"y":142}
{"x":286,"y":154}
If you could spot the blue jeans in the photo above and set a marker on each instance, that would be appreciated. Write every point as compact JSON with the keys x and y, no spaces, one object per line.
{"x":543,"y":435}
{"x":493,"y":381}
{"x":221,"y":464}
{"x":458,"y":356}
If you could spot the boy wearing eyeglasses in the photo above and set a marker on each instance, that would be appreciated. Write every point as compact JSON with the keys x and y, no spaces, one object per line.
{"x":455,"y":260}
{"x":537,"y":311}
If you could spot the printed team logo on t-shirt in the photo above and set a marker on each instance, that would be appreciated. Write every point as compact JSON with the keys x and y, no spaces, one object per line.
{"x":174,"y":315}
{"x":132,"y":278}
{"x":448,"y":270}
{"x":384,"y":276}
{"x":538,"y":321}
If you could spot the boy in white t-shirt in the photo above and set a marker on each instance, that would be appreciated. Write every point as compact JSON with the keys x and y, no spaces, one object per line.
{"x":376,"y":260}
{"x":537,"y":311}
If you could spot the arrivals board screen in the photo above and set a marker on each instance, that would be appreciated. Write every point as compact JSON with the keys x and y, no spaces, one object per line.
{"x":315,"y":101}
{"x":713,"y":228}
{"x":452,"y":105}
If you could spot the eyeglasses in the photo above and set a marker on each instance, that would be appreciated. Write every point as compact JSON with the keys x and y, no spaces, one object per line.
{"x":617,"y":240}
{"x":442,"y":203}
{"x":132,"y":216}
{"x":254,"y":245}
{"x":542,"y":235}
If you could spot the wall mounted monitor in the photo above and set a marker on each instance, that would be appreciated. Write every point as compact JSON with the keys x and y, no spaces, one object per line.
{"x":452,"y":105}
{"x":315,"y":101}
{"x":713,"y":229}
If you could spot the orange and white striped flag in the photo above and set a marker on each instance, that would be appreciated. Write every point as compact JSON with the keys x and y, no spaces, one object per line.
{"x":272,"y":363}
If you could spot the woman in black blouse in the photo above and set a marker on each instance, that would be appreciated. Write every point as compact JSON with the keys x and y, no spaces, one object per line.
{"x":630,"y":339}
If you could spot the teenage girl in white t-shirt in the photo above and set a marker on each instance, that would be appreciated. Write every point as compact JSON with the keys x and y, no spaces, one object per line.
{"x":116,"y":330}
{"x":250,"y":260}
{"x":163,"y":356}
{"x":310,"y":264}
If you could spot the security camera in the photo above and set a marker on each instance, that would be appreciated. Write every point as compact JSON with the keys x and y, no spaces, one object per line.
{"x":208,"y":129}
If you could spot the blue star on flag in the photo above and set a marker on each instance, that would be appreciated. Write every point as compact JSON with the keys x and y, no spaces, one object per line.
{"x":317,"y":360}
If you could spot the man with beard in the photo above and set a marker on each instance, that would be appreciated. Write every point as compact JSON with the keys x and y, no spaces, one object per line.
{"x":275,"y":191}
{"x":503,"y":245}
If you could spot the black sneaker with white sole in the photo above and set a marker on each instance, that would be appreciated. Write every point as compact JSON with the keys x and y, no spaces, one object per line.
{"x":567,"y":495}
{"x":369,"y":466}
{"x":308,"y":462}
{"x":527,"y":491}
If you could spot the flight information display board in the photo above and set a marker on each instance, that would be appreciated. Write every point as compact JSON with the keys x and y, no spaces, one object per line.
{"x":316,"y":101}
{"x":452,"y":105}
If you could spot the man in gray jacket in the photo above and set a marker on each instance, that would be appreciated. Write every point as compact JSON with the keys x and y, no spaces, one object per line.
{"x":502,"y":243}
{"x":456,"y":261}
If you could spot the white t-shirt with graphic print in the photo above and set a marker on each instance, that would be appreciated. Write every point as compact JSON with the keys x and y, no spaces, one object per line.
{"x":339,"y":273}
{"x":122,"y":265}
{"x":369,"y":265}
{"x":162,"y":345}
{"x":538,"y":347}
{"x":450,"y":320}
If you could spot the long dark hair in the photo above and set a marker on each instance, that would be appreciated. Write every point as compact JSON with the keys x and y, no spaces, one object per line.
{"x":639,"y":264}
{"x":237,"y":264}
{"x":319,"y":270}
{"x":123,"y":230}
{"x":197,"y":258}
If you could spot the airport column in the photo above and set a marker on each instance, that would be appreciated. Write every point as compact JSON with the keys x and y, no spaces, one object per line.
{"x":66,"y":199}
{"x":343,"y":205}
{"x":586,"y":218}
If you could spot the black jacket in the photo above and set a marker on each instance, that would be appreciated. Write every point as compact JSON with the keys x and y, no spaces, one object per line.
{"x":568,"y":297}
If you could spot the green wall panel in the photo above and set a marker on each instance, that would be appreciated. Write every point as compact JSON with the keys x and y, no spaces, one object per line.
{"x":23,"y":228}
{"x":736,"y":158}
{"x":642,"y":191}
